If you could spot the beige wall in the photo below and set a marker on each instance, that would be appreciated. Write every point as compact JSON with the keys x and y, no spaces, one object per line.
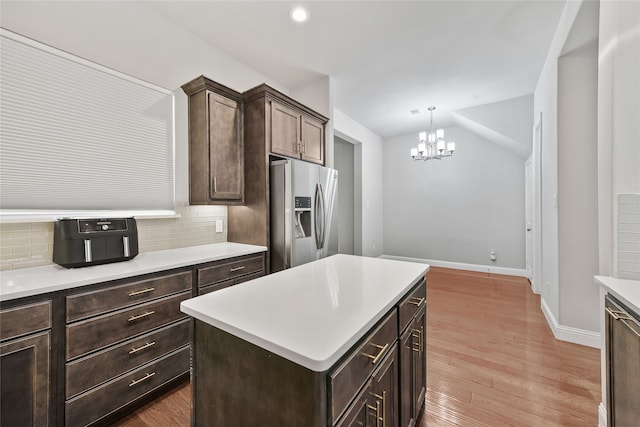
{"x":31,"y":244}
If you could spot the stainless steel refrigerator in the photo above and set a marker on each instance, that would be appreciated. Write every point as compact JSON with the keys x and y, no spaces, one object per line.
{"x":304,"y":223}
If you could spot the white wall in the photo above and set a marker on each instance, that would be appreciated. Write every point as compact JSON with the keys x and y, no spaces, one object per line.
{"x":577,"y":183}
{"x":369,"y":150}
{"x":566,"y":98}
{"x":456,"y":209}
{"x":618,"y":119}
{"x":545,"y":103}
{"x":344,"y":162}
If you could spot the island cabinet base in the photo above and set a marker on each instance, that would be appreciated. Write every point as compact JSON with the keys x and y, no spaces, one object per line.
{"x":236,"y":383}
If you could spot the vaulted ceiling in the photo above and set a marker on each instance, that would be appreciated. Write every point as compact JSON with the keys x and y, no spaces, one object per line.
{"x":385,"y":57}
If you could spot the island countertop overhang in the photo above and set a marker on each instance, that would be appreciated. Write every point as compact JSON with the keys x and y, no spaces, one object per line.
{"x":311,"y":314}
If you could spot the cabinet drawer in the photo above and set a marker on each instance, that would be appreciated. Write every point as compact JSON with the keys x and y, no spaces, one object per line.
{"x":25,"y":319}
{"x":249,"y":277}
{"x":351,"y":374}
{"x":101,"y":401}
{"x":216,"y":286}
{"x":90,"y":371}
{"x":411,"y":304}
{"x":230,"y":270}
{"x":91,"y":303}
{"x":88,"y":335}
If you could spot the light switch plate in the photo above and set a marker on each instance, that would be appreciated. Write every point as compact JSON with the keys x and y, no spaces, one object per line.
{"x":218,"y":226}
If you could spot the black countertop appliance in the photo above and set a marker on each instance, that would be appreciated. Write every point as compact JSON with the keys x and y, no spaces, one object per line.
{"x":83,"y":242}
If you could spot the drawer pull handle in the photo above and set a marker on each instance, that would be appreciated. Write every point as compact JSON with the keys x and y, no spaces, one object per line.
{"x":379,"y":408}
{"x":616,"y":314}
{"x":142,"y":291}
{"x":140,"y":316}
{"x":419,"y":334}
{"x":146,"y":377}
{"x":147,"y":345}
{"x":237,"y":268}
{"x":376,"y":358}
{"x":416,"y":301}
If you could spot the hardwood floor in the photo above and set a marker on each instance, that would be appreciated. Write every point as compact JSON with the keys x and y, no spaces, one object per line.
{"x":491,"y":361}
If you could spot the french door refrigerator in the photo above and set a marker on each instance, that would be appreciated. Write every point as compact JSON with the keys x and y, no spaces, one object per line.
{"x":304,"y":223}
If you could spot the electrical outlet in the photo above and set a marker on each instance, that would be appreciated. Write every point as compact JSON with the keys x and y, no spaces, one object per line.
{"x":492,"y":255}
{"x":219,"y":228}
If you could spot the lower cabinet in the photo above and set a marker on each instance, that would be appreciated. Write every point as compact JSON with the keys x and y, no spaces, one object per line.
{"x":25,"y":365}
{"x":384,"y":391}
{"x":413,"y":362}
{"x":222,"y":274}
{"x":133,"y":341}
{"x":359,"y":412}
{"x":363,"y":388}
{"x":622,"y":364}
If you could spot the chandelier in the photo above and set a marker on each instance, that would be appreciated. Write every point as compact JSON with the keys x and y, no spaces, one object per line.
{"x":432,"y":145}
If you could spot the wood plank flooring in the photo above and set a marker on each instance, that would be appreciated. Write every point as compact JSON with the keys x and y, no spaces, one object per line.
{"x":491,"y":361}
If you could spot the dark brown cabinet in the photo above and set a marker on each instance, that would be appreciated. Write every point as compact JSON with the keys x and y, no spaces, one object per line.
{"x":123,"y":342}
{"x":384,"y":391}
{"x":25,"y":365}
{"x":225,"y":273}
{"x":413,"y":356}
{"x":295,"y":134}
{"x":216,"y":143}
{"x":360,"y":412}
{"x":274,"y":124}
{"x":363,"y":388}
{"x":622,"y":364}
{"x":413,"y":371}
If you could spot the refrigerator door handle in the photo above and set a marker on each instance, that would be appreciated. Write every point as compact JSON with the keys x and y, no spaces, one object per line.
{"x":320,"y":217}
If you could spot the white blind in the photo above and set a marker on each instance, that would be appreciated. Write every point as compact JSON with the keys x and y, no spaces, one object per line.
{"x":77,"y":136}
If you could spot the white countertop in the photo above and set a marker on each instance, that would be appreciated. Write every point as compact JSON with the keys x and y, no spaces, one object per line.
{"x":627,"y":291}
{"x":310,"y":314}
{"x":39,"y":280}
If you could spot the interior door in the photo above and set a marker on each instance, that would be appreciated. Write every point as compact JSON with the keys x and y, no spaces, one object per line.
{"x":528,"y":195}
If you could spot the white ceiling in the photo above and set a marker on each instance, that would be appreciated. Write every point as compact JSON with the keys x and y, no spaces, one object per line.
{"x":385,"y":57}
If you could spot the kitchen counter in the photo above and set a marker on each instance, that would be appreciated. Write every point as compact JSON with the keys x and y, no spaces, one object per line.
{"x":310,"y":314}
{"x":39,"y":280}
{"x":627,"y":291}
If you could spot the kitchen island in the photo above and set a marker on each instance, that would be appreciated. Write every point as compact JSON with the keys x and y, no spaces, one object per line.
{"x":338,"y":341}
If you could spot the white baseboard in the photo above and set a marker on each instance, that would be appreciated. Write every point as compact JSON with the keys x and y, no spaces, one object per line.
{"x":568,"y":333}
{"x":520,"y":272}
{"x":602,"y":415}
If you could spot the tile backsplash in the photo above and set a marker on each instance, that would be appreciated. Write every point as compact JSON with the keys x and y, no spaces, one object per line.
{"x":24,"y":245}
{"x":629,"y":236}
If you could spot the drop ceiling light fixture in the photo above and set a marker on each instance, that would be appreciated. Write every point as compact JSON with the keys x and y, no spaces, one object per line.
{"x":299,"y":14}
{"x":432,"y":145}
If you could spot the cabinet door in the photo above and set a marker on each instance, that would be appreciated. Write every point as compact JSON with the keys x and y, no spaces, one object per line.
{"x":413,"y":375}
{"x":407,"y":418}
{"x":24,"y":381}
{"x":358,"y":413}
{"x":312,"y":140}
{"x":419,"y":363}
{"x":623,"y":376}
{"x":285,"y":130}
{"x":226,"y":153}
{"x":384,"y":392}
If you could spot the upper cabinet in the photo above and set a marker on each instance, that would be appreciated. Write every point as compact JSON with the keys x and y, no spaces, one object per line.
{"x":216,"y":143}
{"x":296,"y":134}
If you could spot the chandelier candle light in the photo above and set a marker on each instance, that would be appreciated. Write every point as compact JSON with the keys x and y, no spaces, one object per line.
{"x":432,"y":145}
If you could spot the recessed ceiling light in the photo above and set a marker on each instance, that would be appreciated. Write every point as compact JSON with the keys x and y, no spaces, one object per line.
{"x":299,"y":14}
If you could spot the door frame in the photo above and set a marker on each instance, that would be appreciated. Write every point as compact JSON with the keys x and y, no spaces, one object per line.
{"x":536,"y":205}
